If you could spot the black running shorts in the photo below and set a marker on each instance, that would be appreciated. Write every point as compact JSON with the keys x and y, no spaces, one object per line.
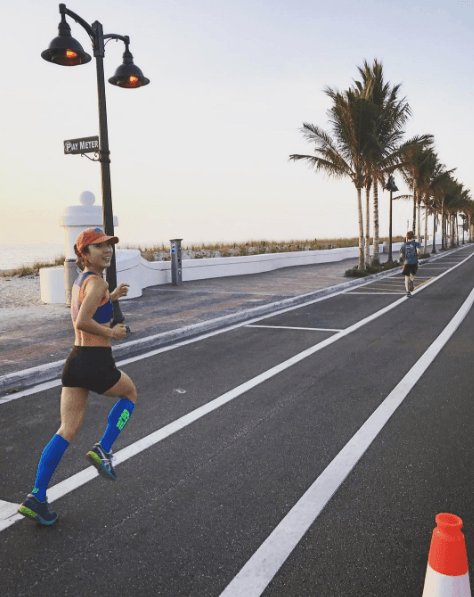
{"x":90,"y":367}
{"x":410,"y":268}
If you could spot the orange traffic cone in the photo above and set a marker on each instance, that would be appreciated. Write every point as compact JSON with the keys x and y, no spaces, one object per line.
{"x":447,"y":573}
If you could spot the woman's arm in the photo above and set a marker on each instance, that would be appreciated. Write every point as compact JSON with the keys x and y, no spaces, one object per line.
{"x":120,"y":291}
{"x":95,"y":291}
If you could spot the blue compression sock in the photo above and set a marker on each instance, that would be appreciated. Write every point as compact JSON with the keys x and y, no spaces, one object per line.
{"x":118,"y":416}
{"x":49,"y":460}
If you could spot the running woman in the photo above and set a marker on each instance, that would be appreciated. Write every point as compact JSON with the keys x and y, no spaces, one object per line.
{"x":89,"y":367}
{"x":409,"y":251}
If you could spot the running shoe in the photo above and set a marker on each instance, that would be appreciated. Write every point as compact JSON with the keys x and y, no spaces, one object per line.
{"x":409,"y":294}
{"x":412,"y":286}
{"x":36,"y":510}
{"x":102,"y":461}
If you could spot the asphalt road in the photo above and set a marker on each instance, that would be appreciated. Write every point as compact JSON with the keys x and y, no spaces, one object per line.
{"x":270,"y":406}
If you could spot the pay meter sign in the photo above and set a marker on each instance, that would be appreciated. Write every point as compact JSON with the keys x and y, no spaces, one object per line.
{"x":83,"y":145}
{"x":176,"y":264}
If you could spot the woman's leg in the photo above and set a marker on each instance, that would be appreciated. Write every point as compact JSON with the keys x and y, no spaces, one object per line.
{"x":73,"y":406}
{"x":121,"y":411}
{"x":125,"y":388}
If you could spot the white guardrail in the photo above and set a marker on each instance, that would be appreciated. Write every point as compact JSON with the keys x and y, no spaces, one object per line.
{"x":140,"y":273}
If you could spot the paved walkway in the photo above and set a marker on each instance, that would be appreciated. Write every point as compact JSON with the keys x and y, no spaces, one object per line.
{"x":170,"y":311}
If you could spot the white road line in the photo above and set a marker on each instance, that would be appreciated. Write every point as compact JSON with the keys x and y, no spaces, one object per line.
{"x":257,"y":573}
{"x":29,"y":391}
{"x":289,"y":327}
{"x":57,"y":382}
{"x":371,"y":292}
{"x":393,"y":282}
{"x":86,"y":475}
{"x":7,"y":509}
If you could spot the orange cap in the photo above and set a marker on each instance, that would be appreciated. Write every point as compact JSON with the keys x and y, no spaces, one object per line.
{"x":448,"y":554}
{"x":93,"y":236}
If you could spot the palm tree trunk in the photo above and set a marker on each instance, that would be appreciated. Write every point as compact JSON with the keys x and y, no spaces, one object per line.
{"x":367,"y":225}
{"x":414,"y":209}
{"x":418,"y":233}
{"x":376,"y":257}
{"x":361,"y":229}
{"x":442,"y":225}
{"x":426,"y":229}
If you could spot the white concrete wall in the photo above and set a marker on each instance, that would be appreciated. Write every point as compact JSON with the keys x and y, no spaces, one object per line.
{"x":140,"y":273}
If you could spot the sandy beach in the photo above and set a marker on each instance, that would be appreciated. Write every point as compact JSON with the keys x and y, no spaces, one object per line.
{"x":21,"y":298}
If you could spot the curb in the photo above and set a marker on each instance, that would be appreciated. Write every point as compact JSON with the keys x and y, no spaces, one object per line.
{"x":13,"y":382}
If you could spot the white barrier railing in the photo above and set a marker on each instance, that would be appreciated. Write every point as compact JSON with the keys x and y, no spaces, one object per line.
{"x":140,"y":273}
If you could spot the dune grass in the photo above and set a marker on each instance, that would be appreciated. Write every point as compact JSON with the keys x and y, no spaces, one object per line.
{"x":29,"y":270}
{"x":251,"y":247}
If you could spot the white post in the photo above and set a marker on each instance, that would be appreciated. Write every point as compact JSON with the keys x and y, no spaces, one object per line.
{"x":74,"y":220}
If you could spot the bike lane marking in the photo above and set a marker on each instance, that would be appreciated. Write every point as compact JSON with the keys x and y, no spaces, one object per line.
{"x":261,"y":568}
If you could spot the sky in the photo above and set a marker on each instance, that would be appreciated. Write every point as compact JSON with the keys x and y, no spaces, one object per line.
{"x":201,"y":153}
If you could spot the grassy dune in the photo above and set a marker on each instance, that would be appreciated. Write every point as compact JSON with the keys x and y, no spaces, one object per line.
{"x":28,"y":270}
{"x":251,"y":247}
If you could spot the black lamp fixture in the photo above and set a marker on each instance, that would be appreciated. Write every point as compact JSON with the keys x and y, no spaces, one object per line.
{"x":390,"y":185}
{"x":66,"y":51}
{"x":128,"y":75}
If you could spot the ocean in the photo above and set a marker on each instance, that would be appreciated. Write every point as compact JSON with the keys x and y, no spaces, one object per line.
{"x":13,"y":256}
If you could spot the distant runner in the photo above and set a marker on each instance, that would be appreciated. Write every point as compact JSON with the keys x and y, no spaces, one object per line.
{"x":409,"y":252}
{"x":89,"y":367}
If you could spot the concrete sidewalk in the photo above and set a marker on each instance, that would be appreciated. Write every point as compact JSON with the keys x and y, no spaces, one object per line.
{"x":165,"y":314}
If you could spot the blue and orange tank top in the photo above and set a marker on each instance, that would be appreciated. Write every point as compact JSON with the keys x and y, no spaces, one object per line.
{"x":104,"y":311}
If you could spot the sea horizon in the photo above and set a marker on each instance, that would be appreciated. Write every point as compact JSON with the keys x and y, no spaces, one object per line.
{"x":14,"y":256}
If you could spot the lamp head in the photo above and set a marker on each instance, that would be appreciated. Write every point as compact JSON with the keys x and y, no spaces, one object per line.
{"x":128,"y":75}
{"x":391,"y":186}
{"x":64,"y":49}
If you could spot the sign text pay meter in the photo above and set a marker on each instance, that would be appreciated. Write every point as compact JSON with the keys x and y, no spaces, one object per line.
{"x":176,"y":264}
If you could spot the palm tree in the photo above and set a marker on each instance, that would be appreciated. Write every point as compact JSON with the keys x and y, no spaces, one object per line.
{"x":414,"y":164}
{"x":439,"y":182}
{"x":342,"y":154}
{"x":454,"y":201}
{"x":391,"y":114}
{"x":464,"y":204}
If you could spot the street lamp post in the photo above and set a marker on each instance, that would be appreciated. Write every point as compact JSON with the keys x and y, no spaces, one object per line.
{"x":463,"y":225}
{"x":67,"y":51}
{"x":391,"y":186}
